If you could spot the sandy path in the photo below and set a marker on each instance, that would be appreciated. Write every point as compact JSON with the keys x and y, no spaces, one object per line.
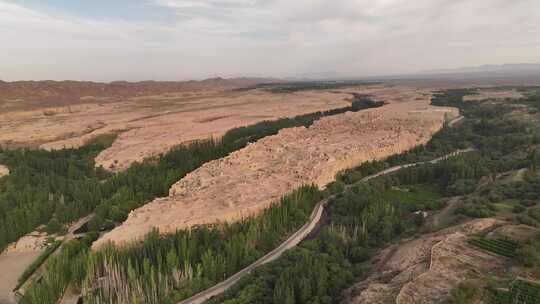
{"x":12,"y":265}
{"x":248,"y":181}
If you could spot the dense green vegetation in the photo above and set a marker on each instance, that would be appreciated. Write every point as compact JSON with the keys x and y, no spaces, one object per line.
{"x":532,"y":98}
{"x":362,"y":218}
{"x":48,"y":188}
{"x":123,"y":192}
{"x":60,"y":270}
{"x":520,"y":291}
{"x":35,"y":264}
{"x":291,"y":87}
{"x":502,"y":247}
{"x":529,"y":254}
{"x":58,"y":187}
{"x":366,"y":217}
{"x":176,"y":266}
{"x":417,"y":197}
{"x":466,"y":293}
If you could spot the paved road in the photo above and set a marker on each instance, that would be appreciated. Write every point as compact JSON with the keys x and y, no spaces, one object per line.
{"x":291,"y":242}
{"x":454,"y":121}
{"x":298,"y":236}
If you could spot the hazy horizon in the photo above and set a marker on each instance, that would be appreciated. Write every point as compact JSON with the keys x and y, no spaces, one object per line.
{"x":196,"y":39}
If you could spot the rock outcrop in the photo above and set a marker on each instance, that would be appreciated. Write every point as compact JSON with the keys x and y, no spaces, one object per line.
{"x":248,"y":181}
{"x":428,"y":268}
{"x":3,"y":171}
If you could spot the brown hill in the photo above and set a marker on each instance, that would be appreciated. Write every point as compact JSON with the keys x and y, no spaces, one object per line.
{"x":248,"y":181}
{"x":33,"y":94}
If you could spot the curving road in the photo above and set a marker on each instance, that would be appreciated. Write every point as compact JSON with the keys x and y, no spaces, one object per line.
{"x":298,"y":236}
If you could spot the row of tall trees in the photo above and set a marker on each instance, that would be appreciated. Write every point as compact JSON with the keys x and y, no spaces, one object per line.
{"x":57,"y":187}
{"x":162,"y":268}
{"x":48,"y":187}
{"x":121,"y":193}
{"x":363,"y":218}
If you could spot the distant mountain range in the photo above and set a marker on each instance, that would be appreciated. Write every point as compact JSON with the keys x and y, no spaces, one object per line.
{"x":495,"y":70}
{"x":503,"y":74}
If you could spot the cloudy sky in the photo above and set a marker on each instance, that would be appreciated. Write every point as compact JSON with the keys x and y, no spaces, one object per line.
{"x":191,"y":39}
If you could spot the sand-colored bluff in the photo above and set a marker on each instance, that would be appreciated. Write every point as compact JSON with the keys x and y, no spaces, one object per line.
{"x":4,"y":170}
{"x":248,"y":181}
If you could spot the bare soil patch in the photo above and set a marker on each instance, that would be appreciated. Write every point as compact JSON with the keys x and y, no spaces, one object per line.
{"x":14,"y":261}
{"x":12,"y":265}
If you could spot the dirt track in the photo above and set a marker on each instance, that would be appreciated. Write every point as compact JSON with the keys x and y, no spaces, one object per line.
{"x":15,"y":259}
{"x":12,"y":265}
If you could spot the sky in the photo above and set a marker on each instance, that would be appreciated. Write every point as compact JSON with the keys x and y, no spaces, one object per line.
{"x":106,"y":40}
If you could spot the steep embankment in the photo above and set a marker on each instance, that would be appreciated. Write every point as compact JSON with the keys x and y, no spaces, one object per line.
{"x":247,"y":181}
{"x":428,"y":268}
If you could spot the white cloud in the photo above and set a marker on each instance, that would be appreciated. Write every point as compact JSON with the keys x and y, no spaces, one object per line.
{"x":270,"y":37}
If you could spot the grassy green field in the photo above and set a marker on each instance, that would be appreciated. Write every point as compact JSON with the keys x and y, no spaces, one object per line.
{"x":415,"y":197}
{"x":502,"y":247}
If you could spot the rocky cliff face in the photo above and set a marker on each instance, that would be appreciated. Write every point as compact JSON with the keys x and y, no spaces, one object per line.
{"x":248,"y":181}
{"x":426,"y":269}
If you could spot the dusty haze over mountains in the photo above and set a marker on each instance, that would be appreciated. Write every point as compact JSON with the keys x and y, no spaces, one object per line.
{"x":187,"y":39}
{"x":150,"y":149}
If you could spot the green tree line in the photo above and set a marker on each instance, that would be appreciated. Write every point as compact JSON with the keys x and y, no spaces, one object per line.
{"x":363,"y":218}
{"x":53,"y":188}
{"x":172,"y":267}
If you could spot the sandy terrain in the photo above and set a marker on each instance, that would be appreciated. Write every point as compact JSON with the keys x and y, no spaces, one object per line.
{"x":29,"y":243}
{"x":15,"y":259}
{"x":499,"y":94}
{"x":248,"y":181}
{"x":36,"y":95}
{"x":426,"y":269}
{"x":209,"y":117}
{"x":12,"y":265}
{"x":4,"y":170}
{"x":150,"y":118}
{"x":150,"y":125}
